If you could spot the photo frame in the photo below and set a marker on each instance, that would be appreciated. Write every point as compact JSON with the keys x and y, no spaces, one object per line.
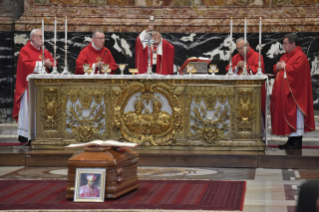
{"x":89,"y":185}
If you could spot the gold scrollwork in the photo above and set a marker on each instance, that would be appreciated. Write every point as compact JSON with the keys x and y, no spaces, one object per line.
{"x":50,"y":109}
{"x":85,"y":120}
{"x":245,"y":110}
{"x":142,"y":126}
{"x":210,"y":129}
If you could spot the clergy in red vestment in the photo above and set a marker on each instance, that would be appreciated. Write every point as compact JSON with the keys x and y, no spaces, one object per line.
{"x":96,"y":55}
{"x":291,"y":105}
{"x":29,"y":61}
{"x":252,"y":61}
{"x":162,"y":53}
{"x":89,"y":190}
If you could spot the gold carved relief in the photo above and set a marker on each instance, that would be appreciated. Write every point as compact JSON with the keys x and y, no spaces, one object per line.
{"x":147,"y":122}
{"x":50,"y":108}
{"x":245,"y":110}
{"x":85,"y":119}
{"x":217,"y":125}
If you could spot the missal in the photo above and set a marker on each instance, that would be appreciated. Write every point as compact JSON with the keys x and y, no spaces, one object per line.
{"x":194,"y":59}
{"x":103,"y":143}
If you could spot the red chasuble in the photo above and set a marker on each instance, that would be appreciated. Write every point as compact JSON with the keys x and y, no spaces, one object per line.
{"x":90,"y":55}
{"x":253,"y":65}
{"x":165,"y":62}
{"x":28,"y":57}
{"x":287,"y":93}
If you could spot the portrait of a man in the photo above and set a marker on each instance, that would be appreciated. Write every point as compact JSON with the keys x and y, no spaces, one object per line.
{"x":89,"y":188}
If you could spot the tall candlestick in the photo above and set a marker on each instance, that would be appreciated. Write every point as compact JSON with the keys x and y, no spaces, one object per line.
{"x":66,"y":30}
{"x":42,"y":32}
{"x":231,"y":29}
{"x":260,"y":31}
{"x":245,"y":31}
{"x":55,"y":30}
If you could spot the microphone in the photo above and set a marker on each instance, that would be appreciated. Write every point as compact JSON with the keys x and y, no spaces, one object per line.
{"x":102,"y":60}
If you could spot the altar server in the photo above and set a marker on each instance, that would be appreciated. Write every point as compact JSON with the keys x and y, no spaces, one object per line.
{"x":291,"y":104}
{"x":252,"y":64}
{"x":29,"y":61}
{"x":96,"y":55}
{"x":162,"y":53}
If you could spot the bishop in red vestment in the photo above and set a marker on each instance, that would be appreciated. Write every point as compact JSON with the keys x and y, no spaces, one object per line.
{"x":162,"y":54}
{"x":29,"y":61}
{"x":95,"y":54}
{"x":291,"y":103}
{"x":252,"y":60}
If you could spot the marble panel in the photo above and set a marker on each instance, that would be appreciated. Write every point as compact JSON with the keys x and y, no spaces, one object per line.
{"x":6,"y":75}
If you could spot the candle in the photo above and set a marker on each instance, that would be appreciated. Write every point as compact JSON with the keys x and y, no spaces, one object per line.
{"x":231,"y":29}
{"x":66,"y":29}
{"x":245,"y":31}
{"x":42,"y":32}
{"x":151,"y":18}
{"x":260,"y":31}
{"x":55,"y":30}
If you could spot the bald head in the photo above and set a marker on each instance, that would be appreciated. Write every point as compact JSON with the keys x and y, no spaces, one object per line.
{"x":240,"y":43}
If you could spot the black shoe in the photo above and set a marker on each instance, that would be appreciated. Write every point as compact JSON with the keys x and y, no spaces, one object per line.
{"x":297,"y":143}
{"x":287,"y":144}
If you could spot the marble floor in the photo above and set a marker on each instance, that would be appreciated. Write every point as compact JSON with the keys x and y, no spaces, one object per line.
{"x":268,"y":190}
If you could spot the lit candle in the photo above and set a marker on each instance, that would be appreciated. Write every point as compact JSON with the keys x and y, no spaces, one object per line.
{"x":231,"y":29}
{"x":245,"y":31}
{"x":260,"y":31}
{"x":66,"y":29}
{"x":42,"y":32}
{"x":55,"y":30}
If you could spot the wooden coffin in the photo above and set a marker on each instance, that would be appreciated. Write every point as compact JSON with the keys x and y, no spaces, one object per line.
{"x":120,"y":164}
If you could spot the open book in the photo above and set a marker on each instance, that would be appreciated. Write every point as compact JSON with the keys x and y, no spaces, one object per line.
{"x":103,"y":143}
{"x":194,"y":59}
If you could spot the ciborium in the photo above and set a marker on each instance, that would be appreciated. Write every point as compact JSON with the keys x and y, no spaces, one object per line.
{"x":105,"y":69}
{"x":133,"y":71}
{"x":86,"y":68}
{"x":122,"y":68}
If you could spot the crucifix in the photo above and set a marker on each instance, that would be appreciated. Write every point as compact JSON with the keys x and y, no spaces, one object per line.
{"x":149,"y":43}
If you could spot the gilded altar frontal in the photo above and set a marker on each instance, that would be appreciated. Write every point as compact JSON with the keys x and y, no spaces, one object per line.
{"x":171,"y":113}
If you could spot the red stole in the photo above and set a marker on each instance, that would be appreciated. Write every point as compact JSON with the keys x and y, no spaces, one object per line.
{"x":90,"y":55}
{"x":165,"y":62}
{"x":28,"y":57}
{"x":287,"y":93}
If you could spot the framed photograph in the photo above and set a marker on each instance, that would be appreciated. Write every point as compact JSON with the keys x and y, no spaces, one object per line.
{"x":89,"y":185}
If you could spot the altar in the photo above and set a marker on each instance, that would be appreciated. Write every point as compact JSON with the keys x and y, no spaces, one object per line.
{"x":181,"y":112}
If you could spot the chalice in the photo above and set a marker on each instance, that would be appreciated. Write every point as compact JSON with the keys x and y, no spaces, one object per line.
{"x":86,"y":68}
{"x":133,"y":70}
{"x":105,"y":69}
{"x":213,"y":69}
{"x":122,"y":68}
{"x":190,"y":68}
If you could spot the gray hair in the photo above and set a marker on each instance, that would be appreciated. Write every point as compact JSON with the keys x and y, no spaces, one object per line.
{"x":95,"y":31}
{"x":33,"y":32}
{"x":240,"y":39}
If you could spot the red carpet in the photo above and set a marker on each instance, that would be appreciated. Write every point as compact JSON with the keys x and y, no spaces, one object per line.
{"x":151,"y":194}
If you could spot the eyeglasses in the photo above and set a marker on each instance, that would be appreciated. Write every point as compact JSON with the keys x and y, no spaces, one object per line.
{"x":284,"y":44}
{"x":39,"y":36}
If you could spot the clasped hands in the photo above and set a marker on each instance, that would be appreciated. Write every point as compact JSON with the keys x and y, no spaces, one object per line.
{"x":47,"y":63}
{"x":280,"y":66}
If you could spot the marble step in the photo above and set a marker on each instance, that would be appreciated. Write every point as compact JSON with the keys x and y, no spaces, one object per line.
{"x":9,"y":138}
{"x":8,"y":129}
